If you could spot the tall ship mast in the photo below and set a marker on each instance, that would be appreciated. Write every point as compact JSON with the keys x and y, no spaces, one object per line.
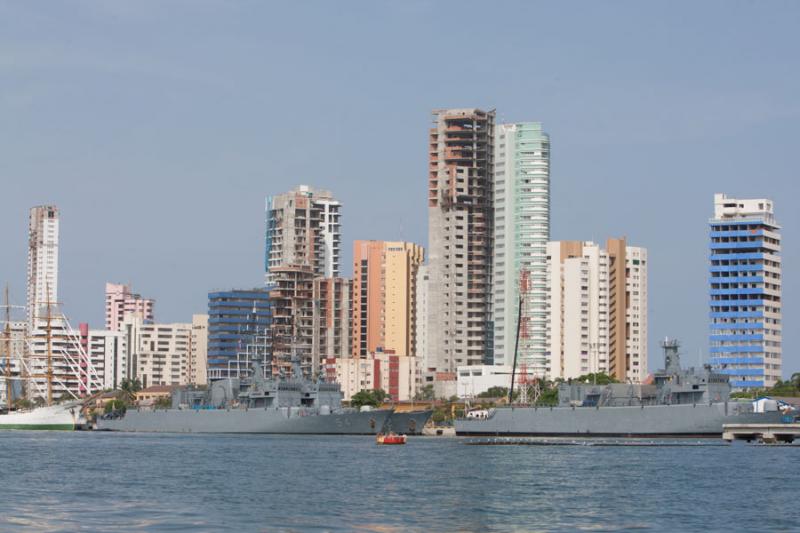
{"x":7,"y":347}
{"x":65,"y":415}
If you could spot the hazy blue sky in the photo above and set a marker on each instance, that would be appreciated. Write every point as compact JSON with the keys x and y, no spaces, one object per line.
{"x":159,"y":127}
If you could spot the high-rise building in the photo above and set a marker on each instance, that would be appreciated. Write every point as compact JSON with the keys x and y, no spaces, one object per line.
{"x":292,"y":329}
{"x":745,"y":291}
{"x":55,"y":345}
{"x":591,"y":299}
{"x":164,"y":353}
{"x":107,"y":355}
{"x":197,"y":370}
{"x":303,"y":229}
{"x":384,"y":297}
{"x":521,"y":232}
{"x":333,"y":308}
{"x":121,"y":300}
{"x":460,"y":220}
{"x":421,"y":344}
{"x":42,"y":259}
{"x":239,"y":322}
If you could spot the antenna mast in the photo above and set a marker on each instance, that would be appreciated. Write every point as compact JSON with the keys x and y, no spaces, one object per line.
{"x":7,"y":339}
{"x":49,"y":332}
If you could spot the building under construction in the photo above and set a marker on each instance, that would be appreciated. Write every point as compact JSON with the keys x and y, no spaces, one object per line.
{"x":460,"y":222}
{"x":292,"y":299}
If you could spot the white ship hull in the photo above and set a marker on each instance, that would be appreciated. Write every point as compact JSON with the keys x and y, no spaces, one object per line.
{"x":65,"y":417}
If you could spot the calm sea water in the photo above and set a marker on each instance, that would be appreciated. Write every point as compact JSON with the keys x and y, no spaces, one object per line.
{"x":55,"y":481}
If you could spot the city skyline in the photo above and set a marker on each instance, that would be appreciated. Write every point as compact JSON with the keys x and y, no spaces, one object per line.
{"x":169,"y":250}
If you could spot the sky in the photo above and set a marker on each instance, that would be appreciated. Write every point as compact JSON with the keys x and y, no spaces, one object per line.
{"x":158,"y":128}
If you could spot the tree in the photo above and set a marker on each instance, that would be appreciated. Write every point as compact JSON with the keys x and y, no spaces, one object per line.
{"x":599,"y":378}
{"x":23,"y":403}
{"x":129,"y":388}
{"x":494,"y":392}
{"x":373,"y":398}
{"x":425,"y":394}
{"x":163,"y":403}
{"x":114,"y":405}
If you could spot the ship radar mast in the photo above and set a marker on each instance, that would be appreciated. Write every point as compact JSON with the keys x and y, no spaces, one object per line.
{"x":672,"y":358}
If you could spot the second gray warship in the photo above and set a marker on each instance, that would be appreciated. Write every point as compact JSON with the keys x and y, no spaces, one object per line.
{"x":679,"y":403}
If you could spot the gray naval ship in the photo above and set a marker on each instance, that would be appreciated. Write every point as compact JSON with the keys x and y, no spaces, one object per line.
{"x":259,"y":404}
{"x":679,"y":403}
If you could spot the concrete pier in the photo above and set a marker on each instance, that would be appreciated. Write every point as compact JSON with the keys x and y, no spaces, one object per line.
{"x":767,"y":433}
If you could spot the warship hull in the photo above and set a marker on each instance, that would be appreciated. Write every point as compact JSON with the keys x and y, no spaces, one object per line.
{"x":641,"y":421}
{"x":410,"y":423}
{"x":277,"y":421}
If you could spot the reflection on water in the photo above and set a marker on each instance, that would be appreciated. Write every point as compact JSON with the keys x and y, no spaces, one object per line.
{"x":123,"y":482}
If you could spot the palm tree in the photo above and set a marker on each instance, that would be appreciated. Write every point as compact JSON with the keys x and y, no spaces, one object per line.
{"x":129,"y":388}
{"x":795,"y":379}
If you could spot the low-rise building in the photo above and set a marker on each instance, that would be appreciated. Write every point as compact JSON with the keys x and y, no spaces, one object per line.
{"x":394,"y":374}
{"x":476,"y":379}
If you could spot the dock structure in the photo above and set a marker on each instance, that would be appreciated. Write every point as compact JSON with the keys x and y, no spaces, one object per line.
{"x":767,"y":433}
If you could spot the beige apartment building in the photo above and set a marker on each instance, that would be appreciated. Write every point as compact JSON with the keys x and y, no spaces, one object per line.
{"x":384,"y":297}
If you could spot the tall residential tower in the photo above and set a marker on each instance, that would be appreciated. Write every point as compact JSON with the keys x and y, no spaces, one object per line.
{"x":597,"y":319}
{"x":42,"y":259}
{"x":745,"y":291}
{"x":521,"y":232}
{"x":460,"y":219}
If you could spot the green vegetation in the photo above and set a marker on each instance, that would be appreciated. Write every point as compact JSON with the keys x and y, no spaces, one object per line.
{"x":128,"y":389}
{"x":791,"y":387}
{"x":115,"y":405}
{"x":495,"y":392}
{"x":163,"y":403}
{"x":426,"y":394}
{"x":372,"y":398}
{"x":23,"y":403}
{"x":548,"y":396}
{"x":600,"y":378}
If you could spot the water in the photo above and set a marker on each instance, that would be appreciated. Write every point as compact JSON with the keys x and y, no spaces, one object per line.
{"x":56,"y":481}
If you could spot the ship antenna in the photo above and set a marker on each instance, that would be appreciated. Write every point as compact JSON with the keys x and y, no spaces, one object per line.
{"x":516,"y":349}
{"x":49,"y":350}
{"x":7,"y":339}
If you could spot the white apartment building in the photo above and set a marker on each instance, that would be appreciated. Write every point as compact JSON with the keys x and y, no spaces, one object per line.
{"x":596,"y":324}
{"x":197,"y":371}
{"x":521,"y":233}
{"x":163,"y":357}
{"x":42,"y":283}
{"x":107,"y":353}
{"x":72,"y":371}
{"x":421,"y":317}
{"x":394,"y":374}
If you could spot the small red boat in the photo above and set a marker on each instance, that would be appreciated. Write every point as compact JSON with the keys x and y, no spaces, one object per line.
{"x":390,"y":438}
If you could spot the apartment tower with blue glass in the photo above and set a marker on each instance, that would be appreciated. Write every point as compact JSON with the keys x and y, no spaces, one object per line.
{"x":239,"y":331}
{"x":745,"y":291}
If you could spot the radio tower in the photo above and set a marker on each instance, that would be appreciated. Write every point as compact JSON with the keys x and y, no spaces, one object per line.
{"x":528,"y":385}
